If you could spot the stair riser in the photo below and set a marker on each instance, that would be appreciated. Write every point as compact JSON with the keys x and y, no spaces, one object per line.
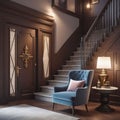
{"x":71,"y":67}
{"x":79,"y":54}
{"x":88,"y":46}
{"x":57,"y":84}
{"x":76,"y":63}
{"x":43,"y":98}
{"x":63,"y":72}
{"x":73,"y":63}
{"x":47,"y":90}
{"x":75,"y":58}
{"x":60,"y":78}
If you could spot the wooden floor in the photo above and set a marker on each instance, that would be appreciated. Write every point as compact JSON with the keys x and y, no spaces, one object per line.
{"x":80,"y":111}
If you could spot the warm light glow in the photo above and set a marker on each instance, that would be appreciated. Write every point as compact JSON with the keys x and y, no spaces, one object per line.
{"x":94,"y":1}
{"x":51,"y":12}
{"x":88,"y":5}
{"x":104,"y":62}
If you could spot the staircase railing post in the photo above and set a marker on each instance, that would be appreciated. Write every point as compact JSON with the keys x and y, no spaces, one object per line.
{"x":82,"y":52}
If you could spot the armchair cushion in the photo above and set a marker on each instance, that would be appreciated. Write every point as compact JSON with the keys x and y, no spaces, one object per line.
{"x":73,"y":85}
{"x":65,"y":97}
{"x":60,"y":88}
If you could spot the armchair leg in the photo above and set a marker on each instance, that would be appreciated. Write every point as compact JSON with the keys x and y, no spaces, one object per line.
{"x":86,"y":107}
{"x":73,"y":111}
{"x":53,"y":106}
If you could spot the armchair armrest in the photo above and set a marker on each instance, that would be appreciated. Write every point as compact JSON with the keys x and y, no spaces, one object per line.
{"x":82,"y":90}
{"x":82,"y":95}
{"x":61,"y":88}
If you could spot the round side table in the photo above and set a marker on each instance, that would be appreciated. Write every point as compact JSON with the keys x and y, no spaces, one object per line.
{"x":104,"y":98}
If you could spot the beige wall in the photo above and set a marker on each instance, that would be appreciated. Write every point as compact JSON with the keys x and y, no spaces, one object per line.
{"x":65,"y":24}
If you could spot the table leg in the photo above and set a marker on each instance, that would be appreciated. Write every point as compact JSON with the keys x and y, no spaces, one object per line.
{"x":104,"y":107}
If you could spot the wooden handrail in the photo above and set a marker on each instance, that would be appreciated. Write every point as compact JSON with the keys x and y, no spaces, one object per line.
{"x":95,"y":21}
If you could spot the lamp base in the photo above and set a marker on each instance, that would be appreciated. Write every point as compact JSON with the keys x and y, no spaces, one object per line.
{"x":107,"y":84}
{"x":103,"y":78}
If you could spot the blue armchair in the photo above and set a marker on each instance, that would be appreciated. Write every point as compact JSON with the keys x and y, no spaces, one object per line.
{"x":80,"y":96}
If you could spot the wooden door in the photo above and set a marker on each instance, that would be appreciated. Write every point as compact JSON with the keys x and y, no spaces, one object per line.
{"x":24,"y":65}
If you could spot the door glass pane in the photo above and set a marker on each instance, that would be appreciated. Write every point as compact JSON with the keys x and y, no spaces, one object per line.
{"x":46,"y":56}
{"x":12,"y":62}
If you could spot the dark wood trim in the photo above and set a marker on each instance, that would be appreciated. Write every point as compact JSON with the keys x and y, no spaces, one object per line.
{"x":25,"y":12}
{"x":3,"y":94}
{"x":78,"y":7}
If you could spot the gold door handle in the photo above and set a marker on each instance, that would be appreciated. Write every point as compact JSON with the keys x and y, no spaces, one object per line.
{"x":18,"y":71}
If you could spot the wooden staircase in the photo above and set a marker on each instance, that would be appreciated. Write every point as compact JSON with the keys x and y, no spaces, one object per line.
{"x":103,"y":25}
{"x":61,"y":78}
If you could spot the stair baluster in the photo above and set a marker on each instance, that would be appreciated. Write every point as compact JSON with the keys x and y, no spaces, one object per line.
{"x":104,"y":23}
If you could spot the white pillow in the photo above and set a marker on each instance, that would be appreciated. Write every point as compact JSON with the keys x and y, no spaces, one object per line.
{"x":74,"y":84}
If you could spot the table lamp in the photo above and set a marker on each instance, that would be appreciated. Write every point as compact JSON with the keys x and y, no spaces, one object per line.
{"x":103,"y":63}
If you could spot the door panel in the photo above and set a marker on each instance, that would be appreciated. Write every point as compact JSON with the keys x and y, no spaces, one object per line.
{"x":23,"y":61}
{"x":26,"y":60}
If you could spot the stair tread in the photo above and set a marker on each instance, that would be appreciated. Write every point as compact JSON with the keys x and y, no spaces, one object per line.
{"x":61,"y":75}
{"x":73,"y":60}
{"x":71,"y":65}
{"x":75,"y":56}
{"x":47,"y":86}
{"x":43,"y":94}
{"x":64,"y":70}
{"x":62,"y":81}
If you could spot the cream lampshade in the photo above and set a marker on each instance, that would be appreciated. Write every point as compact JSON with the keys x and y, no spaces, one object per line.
{"x":103,"y":63}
